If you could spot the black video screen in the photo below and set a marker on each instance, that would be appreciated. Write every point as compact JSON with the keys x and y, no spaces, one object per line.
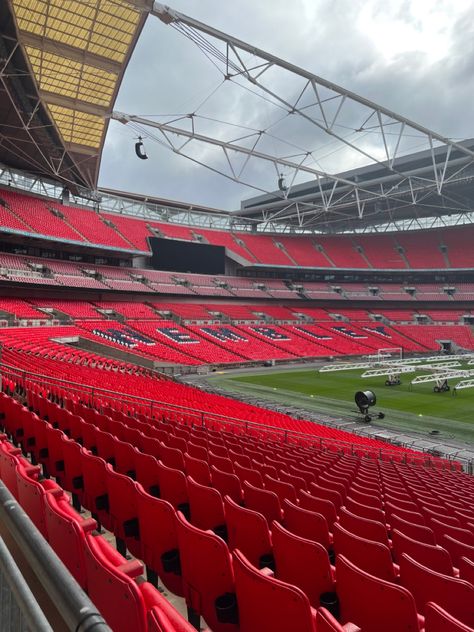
{"x":183,"y":256}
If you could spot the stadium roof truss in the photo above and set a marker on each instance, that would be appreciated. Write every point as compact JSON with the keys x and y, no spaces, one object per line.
{"x":394,"y":188}
{"x":76,"y":53}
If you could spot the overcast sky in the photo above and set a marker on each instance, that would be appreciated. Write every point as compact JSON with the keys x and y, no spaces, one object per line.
{"x":411,"y":56}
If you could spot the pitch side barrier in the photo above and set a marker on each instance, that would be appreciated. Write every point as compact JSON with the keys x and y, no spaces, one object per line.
{"x":102,"y":399}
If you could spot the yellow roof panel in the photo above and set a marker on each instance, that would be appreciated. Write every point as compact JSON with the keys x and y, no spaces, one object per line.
{"x":78,"y":127}
{"x":70,"y":78}
{"x":77,"y":50}
{"x":103,"y":27}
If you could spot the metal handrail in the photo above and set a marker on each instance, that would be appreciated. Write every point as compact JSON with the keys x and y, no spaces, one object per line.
{"x":75,"y":607}
{"x":23,"y":599}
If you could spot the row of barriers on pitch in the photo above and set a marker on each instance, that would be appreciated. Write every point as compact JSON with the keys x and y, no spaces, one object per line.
{"x":101,"y":398}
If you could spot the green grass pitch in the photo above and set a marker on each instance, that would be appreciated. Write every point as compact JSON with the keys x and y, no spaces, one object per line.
{"x":406,"y":407}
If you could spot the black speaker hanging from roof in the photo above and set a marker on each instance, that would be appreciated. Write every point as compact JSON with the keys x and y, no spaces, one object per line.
{"x":140,"y":149}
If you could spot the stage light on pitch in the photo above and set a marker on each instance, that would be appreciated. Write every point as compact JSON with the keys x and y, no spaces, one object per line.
{"x":365,"y":400}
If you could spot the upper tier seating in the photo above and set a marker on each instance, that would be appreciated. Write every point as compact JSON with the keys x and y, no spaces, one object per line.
{"x":20,"y":309}
{"x":421,"y":249}
{"x":429,"y":335}
{"x":381,"y":252}
{"x":37,"y":216}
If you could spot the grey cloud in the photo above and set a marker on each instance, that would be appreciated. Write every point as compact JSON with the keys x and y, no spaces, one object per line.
{"x":168,"y":74}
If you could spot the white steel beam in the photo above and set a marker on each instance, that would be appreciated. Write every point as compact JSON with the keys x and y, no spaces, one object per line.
{"x":396,"y":370}
{"x":390,"y":133}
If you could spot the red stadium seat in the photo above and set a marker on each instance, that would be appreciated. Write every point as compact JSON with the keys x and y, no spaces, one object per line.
{"x":248,"y":531}
{"x":266,"y":603}
{"x":112,"y":586}
{"x":326,"y":493}
{"x":31,"y":493}
{"x":161,"y":616}
{"x":9,"y":459}
{"x":368,"y":555}
{"x":364,"y":511}
{"x":457,"y":549}
{"x":364,"y":528}
{"x":123,"y":512}
{"x":372,"y":603}
{"x":306,"y":524}
{"x":441,"y":529}
{"x":173,"y":487}
{"x":206,"y":508}
{"x":159,"y":540}
{"x":198,"y":469}
{"x":432,"y":556}
{"x":438,"y":620}
{"x":466,"y":569}
{"x":172,"y":457}
{"x":125,"y":458}
{"x":325,"y":622}
{"x":455,"y":595}
{"x":246,"y":474}
{"x":96,"y":493}
{"x":319,"y":505}
{"x":262,"y":500}
{"x":281,"y":488}
{"x":208,"y":578}
{"x":73,"y":479}
{"x":416,"y":531}
{"x":147,"y":473}
{"x":303,"y":563}
{"x":227,"y":484}
{"x":67,"y":532}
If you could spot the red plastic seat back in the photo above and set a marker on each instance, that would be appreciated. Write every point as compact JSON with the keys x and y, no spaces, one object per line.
{"x":263,"y":501}
{"x":434,"y":557}
{"x":416,"y":531}
{"x":371,"y":557}
{"x":247,"y":531}
{"x":207,"y":573}
{"x":455,"y":595}
{"x":66,"y":532}
{"x":227,"y":484}
{"x":438,"y":620}
{"x":372,"y":603}
{"x":160,"y":550}
{"x":266,"y":603}
{"x":306,"y":524}
{"x":325,"y":622}
{"x":282,"y":489}
{"x":206,"y":507}
{"x":112,"y":588}
{"x":123,"y":509}
{"x":301,"y":562}
{"x":320,"y":505}
{"x":364,"y":528}
{"x":147,"y":473}
{"x":197,"y":469}
{"x":173,"y":487}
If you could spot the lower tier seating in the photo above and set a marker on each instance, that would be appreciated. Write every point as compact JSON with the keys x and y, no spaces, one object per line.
{"x":254,"y":534}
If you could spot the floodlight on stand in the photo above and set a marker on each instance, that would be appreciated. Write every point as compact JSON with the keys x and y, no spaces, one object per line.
{"x":365,"y":400}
